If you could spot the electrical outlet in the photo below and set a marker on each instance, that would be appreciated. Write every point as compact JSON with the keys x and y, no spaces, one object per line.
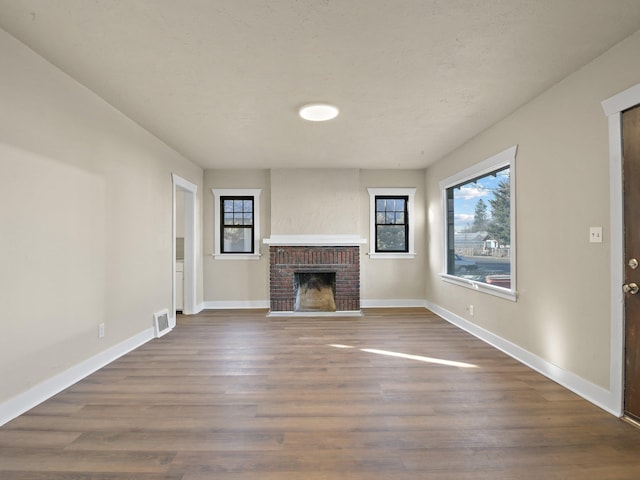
{"x":101,"y":330}
{"x":471,"y":310}
{"x":595,"y":234}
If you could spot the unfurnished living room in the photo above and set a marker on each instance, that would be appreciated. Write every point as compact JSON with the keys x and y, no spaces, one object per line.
{"x":319,"y":239}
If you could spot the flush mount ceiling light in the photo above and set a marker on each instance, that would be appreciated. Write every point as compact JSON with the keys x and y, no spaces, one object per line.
{"x":318,"y":112}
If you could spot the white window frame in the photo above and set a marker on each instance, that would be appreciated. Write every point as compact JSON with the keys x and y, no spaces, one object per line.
{"x":410,"y":193}
{"x":506,"y":158}
{"x":236,"y":192}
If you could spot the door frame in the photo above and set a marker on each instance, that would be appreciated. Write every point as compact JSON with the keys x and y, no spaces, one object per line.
{"x":190,"y":190}
{"x":613,"y":108}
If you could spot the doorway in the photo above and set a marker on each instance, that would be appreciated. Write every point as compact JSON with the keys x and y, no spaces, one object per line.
{"x":617,"y":401}
{"x":187,"y":191}
{"x":631,"y":194}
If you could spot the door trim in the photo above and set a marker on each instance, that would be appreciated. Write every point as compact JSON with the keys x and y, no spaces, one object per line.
{"x":613,"y":108}
{"x":190,"y":191}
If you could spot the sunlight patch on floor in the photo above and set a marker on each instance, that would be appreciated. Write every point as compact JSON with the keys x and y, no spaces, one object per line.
{"x":420,"y":358}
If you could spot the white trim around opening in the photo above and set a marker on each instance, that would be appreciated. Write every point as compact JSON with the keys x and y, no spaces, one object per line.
{"x":190,"y":191}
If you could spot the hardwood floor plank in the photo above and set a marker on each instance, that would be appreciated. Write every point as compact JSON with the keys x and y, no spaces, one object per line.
{"x":397,"y":393}
{"x":36,"y":439}
{"x":60,"y":460}
{"x":254,"y":465}
{"x":51,"y":475}
{"x":178,"y":441}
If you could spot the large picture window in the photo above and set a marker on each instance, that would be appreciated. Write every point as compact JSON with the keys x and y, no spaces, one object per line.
{"x":480,"y":220}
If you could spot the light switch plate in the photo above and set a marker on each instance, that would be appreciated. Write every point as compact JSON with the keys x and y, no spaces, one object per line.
{"x":595,"y":234}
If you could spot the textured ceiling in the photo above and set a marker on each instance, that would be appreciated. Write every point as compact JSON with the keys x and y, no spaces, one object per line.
{"x":220,"y":81}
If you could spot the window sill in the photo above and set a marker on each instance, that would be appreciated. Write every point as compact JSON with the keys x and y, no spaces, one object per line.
{"x":481,"y":287}
{"x":389,"y":256}
{"x":236,"y":256}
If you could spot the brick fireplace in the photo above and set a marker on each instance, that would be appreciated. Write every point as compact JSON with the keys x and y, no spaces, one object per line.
{"x":288,"y":257}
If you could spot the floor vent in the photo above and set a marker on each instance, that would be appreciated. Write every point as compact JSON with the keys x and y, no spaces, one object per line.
{"x":161,"y":322}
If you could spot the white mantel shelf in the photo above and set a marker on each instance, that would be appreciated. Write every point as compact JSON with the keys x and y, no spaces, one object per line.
{"x":314,"y":240}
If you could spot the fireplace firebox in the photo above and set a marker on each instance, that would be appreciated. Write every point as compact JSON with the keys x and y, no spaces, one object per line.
{"x":332,"y":269}
{"x":314,"y":292}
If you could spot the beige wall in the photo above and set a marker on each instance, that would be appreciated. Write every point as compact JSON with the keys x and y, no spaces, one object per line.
{"x":562,"y":188}
{"x":85,"y":211}
{"x":313,"y":201}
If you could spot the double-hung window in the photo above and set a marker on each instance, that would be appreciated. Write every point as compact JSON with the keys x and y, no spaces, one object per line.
{"x":479,"y":212}
{"x":237,"y":232}
{"x":392,"y":222}
{"x":236,"y":228}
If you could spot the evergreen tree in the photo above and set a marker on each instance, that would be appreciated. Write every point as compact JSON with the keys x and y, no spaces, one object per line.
{"x":500,"y":227}
{"x":480,"y":216}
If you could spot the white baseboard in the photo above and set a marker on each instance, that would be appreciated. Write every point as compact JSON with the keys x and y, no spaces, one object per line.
{"x":23,"y":402}
{"x":390,"y":303}
{"x":591,"y":392}
{"x":235,"y":305}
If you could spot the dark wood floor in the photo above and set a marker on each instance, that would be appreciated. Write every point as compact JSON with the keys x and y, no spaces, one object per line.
{"x":236,"y":395}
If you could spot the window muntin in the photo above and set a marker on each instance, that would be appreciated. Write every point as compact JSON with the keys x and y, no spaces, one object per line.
{"x":479,"y":213}
{"x":237,"y":224}
{"x":392,"y":223}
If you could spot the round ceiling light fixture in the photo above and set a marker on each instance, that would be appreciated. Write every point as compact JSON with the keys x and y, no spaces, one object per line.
{"x":318,"y":112}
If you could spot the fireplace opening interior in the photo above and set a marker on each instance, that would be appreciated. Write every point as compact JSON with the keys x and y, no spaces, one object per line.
{"x":315,"y":292}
